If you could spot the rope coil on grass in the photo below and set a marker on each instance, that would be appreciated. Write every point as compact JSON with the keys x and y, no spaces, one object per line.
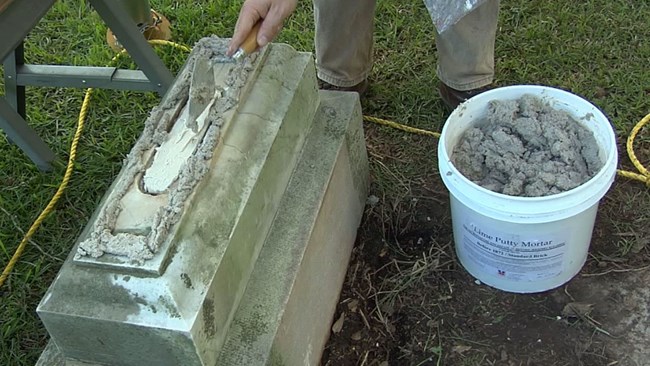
{"x":643,"y":175}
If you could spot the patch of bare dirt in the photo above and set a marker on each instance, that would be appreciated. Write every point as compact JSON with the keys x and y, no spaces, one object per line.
{"x":408,"y":301}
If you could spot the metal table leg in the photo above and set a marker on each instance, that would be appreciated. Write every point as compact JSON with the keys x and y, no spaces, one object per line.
{"x":24,"y":137}
{"x":12,"y":114}
{"x":15,"y":93}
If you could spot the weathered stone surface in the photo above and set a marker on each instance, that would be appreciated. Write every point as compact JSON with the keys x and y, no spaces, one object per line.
{"x":112,"y":316}
{"x":285,"y":315}
{"x":51,"y":356}
{"x":144,"y":244}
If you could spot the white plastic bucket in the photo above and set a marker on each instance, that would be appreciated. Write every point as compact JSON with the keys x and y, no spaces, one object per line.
{"x":524,"y":244}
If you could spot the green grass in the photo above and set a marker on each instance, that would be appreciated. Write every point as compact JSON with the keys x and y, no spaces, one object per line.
{"x":598,"y":49}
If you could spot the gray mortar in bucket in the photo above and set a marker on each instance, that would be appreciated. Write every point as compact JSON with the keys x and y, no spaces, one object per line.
{"x":525,"y":147}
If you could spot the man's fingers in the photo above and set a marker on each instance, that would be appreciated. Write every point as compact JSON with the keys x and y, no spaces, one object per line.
{"x":270,"y":28}
{"x":274,"y":20}
{"x":273,"y":13}
{"x":248,"y":16}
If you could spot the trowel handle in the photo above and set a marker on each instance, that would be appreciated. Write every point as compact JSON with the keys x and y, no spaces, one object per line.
{"x":250,"y":43}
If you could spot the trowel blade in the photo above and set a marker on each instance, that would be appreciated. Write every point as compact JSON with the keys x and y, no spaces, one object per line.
{"x":202,"y":88}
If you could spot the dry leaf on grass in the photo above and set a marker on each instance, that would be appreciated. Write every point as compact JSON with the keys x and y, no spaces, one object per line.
{"x":577,"y":310}
{"x":352,"y":305}
{"x":338,"y":324}
{"x":460,"y":349}
{"x":356,"y":336}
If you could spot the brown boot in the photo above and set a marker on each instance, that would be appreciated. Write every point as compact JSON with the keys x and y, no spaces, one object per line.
{"x":452,"y":97}
{"x":160,"y":29}
{"x":360,"y":88}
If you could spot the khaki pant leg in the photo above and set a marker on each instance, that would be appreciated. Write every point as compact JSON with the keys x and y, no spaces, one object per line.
{"x":466,"y":50}
{"x":344,"y":40}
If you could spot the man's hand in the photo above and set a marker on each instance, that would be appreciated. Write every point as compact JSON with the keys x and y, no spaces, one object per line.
{"x":273,"y":13}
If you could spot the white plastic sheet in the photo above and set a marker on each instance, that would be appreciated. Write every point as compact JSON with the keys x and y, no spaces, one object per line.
{"x":446,"y":13}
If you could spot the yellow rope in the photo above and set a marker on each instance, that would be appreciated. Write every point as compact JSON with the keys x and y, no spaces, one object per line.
{"x":69,"y":168}
{"x":401,"y":127}
{"x":59,"y":192}
{"x":162,"y":42}
{"x":643,"y":175}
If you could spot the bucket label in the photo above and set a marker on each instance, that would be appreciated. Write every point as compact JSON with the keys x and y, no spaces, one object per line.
{"x":514,"y":257}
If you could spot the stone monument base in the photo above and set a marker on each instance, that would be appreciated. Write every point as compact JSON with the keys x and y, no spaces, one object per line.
{"x":252,"y":268}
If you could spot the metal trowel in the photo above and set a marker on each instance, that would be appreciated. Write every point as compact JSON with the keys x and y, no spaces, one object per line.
{"x":203,"y":88}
